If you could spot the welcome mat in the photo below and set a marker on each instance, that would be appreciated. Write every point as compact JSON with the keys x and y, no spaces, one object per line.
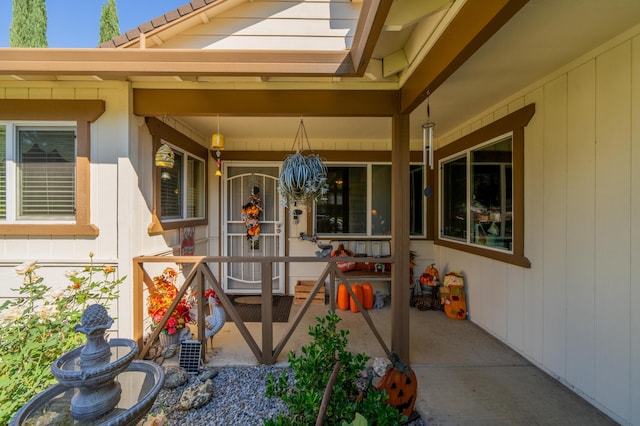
{"x":251,"y":311}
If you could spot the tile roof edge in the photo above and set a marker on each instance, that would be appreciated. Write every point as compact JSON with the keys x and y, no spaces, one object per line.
{"x":157,"y":22}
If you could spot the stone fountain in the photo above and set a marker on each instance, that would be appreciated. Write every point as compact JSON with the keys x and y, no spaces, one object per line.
{"x":99,"y":383}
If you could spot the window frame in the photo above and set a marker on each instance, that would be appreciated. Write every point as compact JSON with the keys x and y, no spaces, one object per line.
{"x":184,"y":157}
{"x":513,"y":123}
{"x":369,"y":227}
{"x":163,"y":133}
{"x":83,"y":112}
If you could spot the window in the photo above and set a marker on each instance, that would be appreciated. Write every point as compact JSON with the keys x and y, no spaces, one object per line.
{"x":180,"y":192}
{"x":358,"y":202}
{"x":79,"y":114}
{"x":182,"y":188}
{"x":481,"y":190}
{"x":477,"y":195}
{"x":38,"y":175}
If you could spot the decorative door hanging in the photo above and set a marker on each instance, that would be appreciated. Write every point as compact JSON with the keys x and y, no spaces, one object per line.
{"x":251,"y":216}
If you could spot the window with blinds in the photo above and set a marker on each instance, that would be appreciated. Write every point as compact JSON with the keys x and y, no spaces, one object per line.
{"x":182,"y":188}
{"x":46,"y":161}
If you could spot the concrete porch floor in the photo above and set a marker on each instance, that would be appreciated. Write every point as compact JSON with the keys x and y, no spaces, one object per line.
{"x":465,"y":375}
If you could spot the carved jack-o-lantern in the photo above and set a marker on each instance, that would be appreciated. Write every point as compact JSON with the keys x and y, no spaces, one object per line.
{"x":401,"y":385}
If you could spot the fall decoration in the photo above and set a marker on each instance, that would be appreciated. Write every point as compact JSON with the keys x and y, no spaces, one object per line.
{"x":357,"y":291}
{"x":401,"y":385}
{"x":343,"y":297}
{"x":160,"y":299}
{"x":430,"y":276}
{"x":367,"y":295}
{"x":251,"y":217}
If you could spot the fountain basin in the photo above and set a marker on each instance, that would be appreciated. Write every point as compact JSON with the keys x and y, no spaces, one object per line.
{"x":141,"y":381}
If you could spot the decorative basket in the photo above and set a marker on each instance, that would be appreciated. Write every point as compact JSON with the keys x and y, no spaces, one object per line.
{"x":167,"y":340}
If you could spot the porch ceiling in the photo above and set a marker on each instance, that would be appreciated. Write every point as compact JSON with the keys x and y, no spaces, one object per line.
{"x":453,"y":49}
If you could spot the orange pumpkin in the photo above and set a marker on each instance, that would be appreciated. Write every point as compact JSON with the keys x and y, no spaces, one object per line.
{"x":343,"y":297}
{"x":367,"y":295}
{"x":401,"y":385}
{"x":357,"y":291}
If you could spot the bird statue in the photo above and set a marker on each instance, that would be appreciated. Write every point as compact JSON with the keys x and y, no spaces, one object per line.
{"x":214,"y":322}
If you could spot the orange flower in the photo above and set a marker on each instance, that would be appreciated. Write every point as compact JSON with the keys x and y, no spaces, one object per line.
{"x":160,"y":301}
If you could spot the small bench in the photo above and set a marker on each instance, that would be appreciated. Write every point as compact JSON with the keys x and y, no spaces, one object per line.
{"x":367,"y":271}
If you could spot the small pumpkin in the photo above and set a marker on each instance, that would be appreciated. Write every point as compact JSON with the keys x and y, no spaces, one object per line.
{"x":401,"y":385}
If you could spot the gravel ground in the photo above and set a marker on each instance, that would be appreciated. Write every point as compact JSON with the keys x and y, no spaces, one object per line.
{"x":238,"y":399}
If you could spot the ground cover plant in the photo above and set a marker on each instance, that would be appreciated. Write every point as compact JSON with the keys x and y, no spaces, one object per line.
{"x":311,"y":371}
{"x":38,"y":326}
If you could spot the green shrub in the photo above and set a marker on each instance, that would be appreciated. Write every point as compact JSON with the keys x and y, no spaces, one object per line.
{"x":311,"y":371}
{"x":39,"y":326}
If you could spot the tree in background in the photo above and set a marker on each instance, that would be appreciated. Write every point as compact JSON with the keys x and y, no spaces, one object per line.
{"x":109,"y":27}
{"x":28,"y":24}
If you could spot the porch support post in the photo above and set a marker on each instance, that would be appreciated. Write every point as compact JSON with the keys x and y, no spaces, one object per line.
{"x":400,"y":236}
{"x":267,"y":313}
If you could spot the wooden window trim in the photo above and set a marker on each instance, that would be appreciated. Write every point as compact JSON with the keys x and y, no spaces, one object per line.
{"x":159,"y":132}
{"x":515,"y":123}
{"x":83,"y":112}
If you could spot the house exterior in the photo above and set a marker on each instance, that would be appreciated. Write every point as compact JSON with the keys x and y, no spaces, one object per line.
{"x":563,"y":294}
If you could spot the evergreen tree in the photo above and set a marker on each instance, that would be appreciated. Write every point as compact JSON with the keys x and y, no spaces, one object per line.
{"x":28,"y":24}
{"x":109,"y":27}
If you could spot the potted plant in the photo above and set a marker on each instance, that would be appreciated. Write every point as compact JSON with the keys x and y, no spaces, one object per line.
{"x":303,"y":178}
{"x":160,"y":300}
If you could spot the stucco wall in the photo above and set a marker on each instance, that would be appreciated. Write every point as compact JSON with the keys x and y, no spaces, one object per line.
{"x":575,"y":312}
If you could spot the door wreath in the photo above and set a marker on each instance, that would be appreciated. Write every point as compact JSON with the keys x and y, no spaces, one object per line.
{"x":251,"y":217}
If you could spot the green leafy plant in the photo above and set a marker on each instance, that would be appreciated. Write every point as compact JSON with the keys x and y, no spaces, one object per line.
{"x":38,"y":326}
{"x":311,"y":372}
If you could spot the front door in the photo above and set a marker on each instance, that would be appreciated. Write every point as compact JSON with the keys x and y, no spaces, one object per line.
{"x":252,"y":225}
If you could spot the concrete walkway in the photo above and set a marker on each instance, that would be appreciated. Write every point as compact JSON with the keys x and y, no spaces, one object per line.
{"x":465,"y":376}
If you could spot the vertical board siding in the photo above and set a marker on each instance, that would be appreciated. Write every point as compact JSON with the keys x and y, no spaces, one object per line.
{"x":634,"y":299}
{"x":581,"y":201}
{"x":612,"y":228}
{"x":533,"y":229}
{"x":554,"y":227}
{"x":574,"y":313}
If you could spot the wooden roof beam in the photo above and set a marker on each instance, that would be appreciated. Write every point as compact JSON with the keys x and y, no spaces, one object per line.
{"x":162,"y":62}
{"x":319,"y":103}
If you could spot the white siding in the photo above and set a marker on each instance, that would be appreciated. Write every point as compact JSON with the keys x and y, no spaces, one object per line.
{"x":574,"y":313}
{"x":274,"y":25}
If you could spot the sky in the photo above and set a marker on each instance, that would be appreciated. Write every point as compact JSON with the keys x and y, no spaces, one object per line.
{"x":76,"y":23}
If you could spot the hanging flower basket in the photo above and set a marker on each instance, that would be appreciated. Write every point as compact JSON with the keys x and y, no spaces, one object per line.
{"x":303,"y":178}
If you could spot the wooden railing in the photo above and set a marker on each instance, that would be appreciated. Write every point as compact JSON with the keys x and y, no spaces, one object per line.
{"x":201,"y":273}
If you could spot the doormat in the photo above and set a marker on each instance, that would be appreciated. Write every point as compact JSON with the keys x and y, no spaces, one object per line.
{"x":252,"y":312}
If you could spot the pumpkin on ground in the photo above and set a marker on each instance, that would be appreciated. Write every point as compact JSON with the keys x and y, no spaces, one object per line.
{"x":367,"y":295}
{"x":343,"y":297}
{"x":401,"y":385}
{"x":357,"y":291}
